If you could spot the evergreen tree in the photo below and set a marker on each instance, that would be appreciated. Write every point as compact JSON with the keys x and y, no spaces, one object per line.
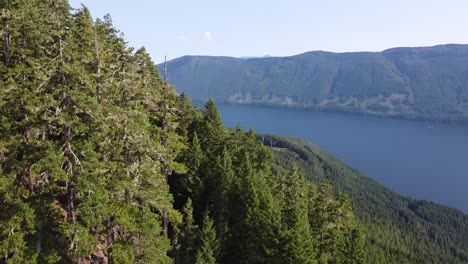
{"x":298,"y":242}
{"x":141,"y":162}
{"x":323,"y":222}
{"x":80,"y":196}
{"x":208,"y":243}
{"x":222,"y":195}
{"x":354,"y":248}
{"x":333,"y":227}
{"x":17,"y":216}
{"x":211,"y":131}
{"x":255,"y":223}
{"x":187,"y":236}
{"x":210,"y":135}
{"x":193,"y":158}
{"x":189,"y":185}
{"x":187,"y":115}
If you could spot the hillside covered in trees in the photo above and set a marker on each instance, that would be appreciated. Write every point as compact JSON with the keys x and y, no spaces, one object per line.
{"x":398,"y":229}
{"x":101,"y":161}
{"x":426,"y":82}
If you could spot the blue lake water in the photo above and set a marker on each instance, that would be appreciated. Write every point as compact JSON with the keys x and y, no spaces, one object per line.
{"x":424,"y":160}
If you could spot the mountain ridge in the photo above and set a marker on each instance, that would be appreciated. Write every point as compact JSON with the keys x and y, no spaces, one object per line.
{"x":321,"y":51}
{"x":415,"y":82}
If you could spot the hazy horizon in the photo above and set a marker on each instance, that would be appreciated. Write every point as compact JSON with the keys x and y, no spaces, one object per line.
{"x":307,"y":51}
{"x":256,"y":29}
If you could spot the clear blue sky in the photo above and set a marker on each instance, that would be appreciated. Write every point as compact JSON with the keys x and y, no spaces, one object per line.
{"x":282,"y":27}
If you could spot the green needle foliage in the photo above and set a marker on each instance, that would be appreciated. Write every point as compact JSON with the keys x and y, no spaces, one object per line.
{"x":208,"y":243}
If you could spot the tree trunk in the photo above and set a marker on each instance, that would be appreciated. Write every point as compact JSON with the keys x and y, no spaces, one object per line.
{"x":68,"y":152}
{"x":109,"y":239}
{"x":44,"y":128}
{"x":30,"y":180}
{"x":2,"y":158}
{"x":40,"y":228}
{"x":165,"y":161}
{"x":27,"y":171}
{"x":127,"y":151}
{"x":165,"y":222}
{"x":109,"y":232}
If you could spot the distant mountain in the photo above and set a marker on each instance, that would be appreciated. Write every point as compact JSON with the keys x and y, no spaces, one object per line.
{"x":255,"y":57}
{"x":425,"y":82}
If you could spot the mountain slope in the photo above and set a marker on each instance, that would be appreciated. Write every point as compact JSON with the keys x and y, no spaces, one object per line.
{"x":429,"y":82}
{"x":399,"y":229}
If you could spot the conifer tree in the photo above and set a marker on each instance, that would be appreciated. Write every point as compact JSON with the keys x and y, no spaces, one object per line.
{"x":187,"y":236}
{"x":255,"y":223}
{"x":84,"y":36}
{"x":323,"y":221}
{"x":171,"y":141}
{"x":83,"y":200}
{"x":74,"y":123}
{"x":333,"y":227}
{"x":222,"y":196}
{"x":192,"y":182}
{"x":143,"y":187}
{"x":298,"y":242}
{"x":208,"y":243}
{"x":187,"y":115}
{"x":354,"y":248}
{"x":33,"y":29}
{"x":209,"y":134}
{"x":212,"y":131}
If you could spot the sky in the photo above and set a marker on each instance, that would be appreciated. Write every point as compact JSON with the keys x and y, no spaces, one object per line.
{"x":241,"y":28}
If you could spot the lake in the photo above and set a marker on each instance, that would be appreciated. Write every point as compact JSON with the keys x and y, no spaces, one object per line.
{"x":421,"y":159}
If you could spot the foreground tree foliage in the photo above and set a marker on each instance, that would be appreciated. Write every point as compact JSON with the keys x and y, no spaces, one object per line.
{"x":102,"y":162}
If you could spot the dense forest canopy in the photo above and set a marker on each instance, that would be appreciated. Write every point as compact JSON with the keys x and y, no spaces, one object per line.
{"x":101,"y":161}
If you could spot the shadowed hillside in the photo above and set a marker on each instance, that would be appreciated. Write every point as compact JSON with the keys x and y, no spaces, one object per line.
{"x":398,"y":229}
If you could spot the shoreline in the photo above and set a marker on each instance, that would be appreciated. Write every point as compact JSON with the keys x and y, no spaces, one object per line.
{"x":354,"y":112}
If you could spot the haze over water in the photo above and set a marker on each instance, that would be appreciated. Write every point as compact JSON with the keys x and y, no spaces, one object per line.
{"x":424,"y":160}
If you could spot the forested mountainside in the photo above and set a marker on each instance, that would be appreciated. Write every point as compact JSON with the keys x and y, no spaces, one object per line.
{"x":102,"y":162}
{"x":429,"y":82}
{"x":398,"y":229}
